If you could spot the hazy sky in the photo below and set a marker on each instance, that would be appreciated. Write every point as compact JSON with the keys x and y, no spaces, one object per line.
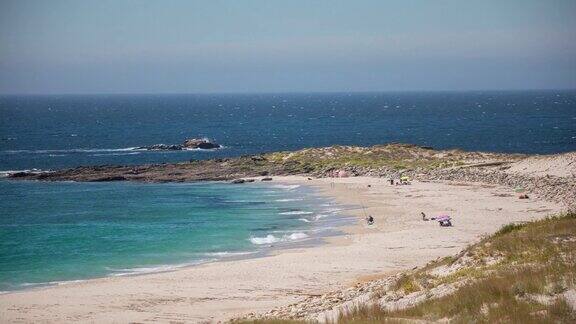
{"x":276,"y":46}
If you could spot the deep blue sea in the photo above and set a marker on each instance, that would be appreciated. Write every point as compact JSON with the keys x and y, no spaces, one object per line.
{"x":53,"y":232}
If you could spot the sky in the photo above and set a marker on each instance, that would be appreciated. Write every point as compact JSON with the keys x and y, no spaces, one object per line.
{"x":212,"y":46}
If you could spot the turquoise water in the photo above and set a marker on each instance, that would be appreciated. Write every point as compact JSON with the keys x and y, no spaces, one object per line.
{"x":53,"y":232}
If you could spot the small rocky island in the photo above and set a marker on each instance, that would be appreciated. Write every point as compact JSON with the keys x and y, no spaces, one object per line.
{"x":189,"y":144}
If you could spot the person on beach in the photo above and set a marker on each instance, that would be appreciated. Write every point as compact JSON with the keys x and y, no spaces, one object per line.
{"x":423,"y":216}
{"x":370,"y":220}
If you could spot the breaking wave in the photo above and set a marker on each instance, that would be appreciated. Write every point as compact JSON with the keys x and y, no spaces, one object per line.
{"x":286,"y":187}
{"x":270,"y":239}
{"x":296,"y":212}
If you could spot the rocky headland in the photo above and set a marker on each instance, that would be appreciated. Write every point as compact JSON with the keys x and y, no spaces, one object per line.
{"x":552,"y":177}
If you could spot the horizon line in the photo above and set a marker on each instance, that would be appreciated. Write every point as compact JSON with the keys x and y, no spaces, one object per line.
{"x":278,"y":92}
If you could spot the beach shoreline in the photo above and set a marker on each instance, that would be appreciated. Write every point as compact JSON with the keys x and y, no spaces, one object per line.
{"x":230,"y":289}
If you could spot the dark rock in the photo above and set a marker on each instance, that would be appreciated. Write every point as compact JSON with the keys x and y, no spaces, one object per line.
{"x":266,"y":179}
{"x":162,"y":147}
{"x":193,"y":143}
{"x":199,"y":143}
{"x":238,"y":181}
{"x":110,"y":178}
{"x":249,"y":180}
{"x":263,"y":173}
{"x":19,"y":174}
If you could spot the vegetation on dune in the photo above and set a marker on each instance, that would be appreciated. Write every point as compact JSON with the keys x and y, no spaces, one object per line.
{"x":391,"y":156}
{"x":524,"y":273}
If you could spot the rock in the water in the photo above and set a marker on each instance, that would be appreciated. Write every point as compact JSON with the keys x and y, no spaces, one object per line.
{"x":199,"y":143}
{"x":238,"y":181}
{"x":162,"y":147}
{"x":266,"y":179}
{"x":193,"y":143}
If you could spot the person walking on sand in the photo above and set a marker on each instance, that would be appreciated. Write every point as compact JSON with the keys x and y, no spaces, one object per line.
{"x":370,"y":220}
{"x":423,"y":216}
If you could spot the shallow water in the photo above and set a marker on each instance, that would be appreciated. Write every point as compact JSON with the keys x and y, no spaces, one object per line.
{"x":52,"y":232}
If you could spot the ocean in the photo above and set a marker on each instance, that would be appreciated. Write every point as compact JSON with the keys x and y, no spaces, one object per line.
{"x":57,"y":232}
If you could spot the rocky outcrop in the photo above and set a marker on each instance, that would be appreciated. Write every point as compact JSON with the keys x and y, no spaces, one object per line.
{"x":189,"y":144}
{"x":201,"y":143}
{"x":161,"y":147}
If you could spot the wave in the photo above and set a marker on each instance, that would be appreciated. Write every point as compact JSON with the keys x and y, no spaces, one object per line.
{"x":42,"y":284}
{"x":75,"y":150}
{"x":227,"y":254}
{"x":270,"y":239}
{"x":289,"y":199}
{"x":296,"y":212}
{"x":156,"y":269}
{"x":201,"y":149}
{"x":100,"y":150}
{"x":305,"y":220}
{"x":115,"y":154}
{"x":286,"y":187}
{"x":6,"y":173}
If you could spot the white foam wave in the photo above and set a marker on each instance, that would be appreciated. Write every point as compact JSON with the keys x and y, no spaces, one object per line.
{"x":227,"y":254}
{"x":201,"y":149}
{"x":270,"y":239}
{"x":296,"y":212}
{"x":297,"y":236}
{"x":305,"y":220}
{"x":75,"y":150}
{"x":286,"y":187}
{"x":156,"y":269}
{"x":99,"y":150}
{"x":49,"y":283}
{"x":112,"y":154}
{"x":7,"y":173}
{"x":288,"y":199}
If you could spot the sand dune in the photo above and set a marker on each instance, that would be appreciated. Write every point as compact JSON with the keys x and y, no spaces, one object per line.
{"x":559,"y":165}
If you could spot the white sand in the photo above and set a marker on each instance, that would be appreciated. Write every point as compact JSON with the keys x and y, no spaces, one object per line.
{"x":559,"y":165}
{"x":221,"y":290}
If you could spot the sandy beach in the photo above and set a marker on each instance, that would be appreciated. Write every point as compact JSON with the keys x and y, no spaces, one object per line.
{"x":218,"y":291}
